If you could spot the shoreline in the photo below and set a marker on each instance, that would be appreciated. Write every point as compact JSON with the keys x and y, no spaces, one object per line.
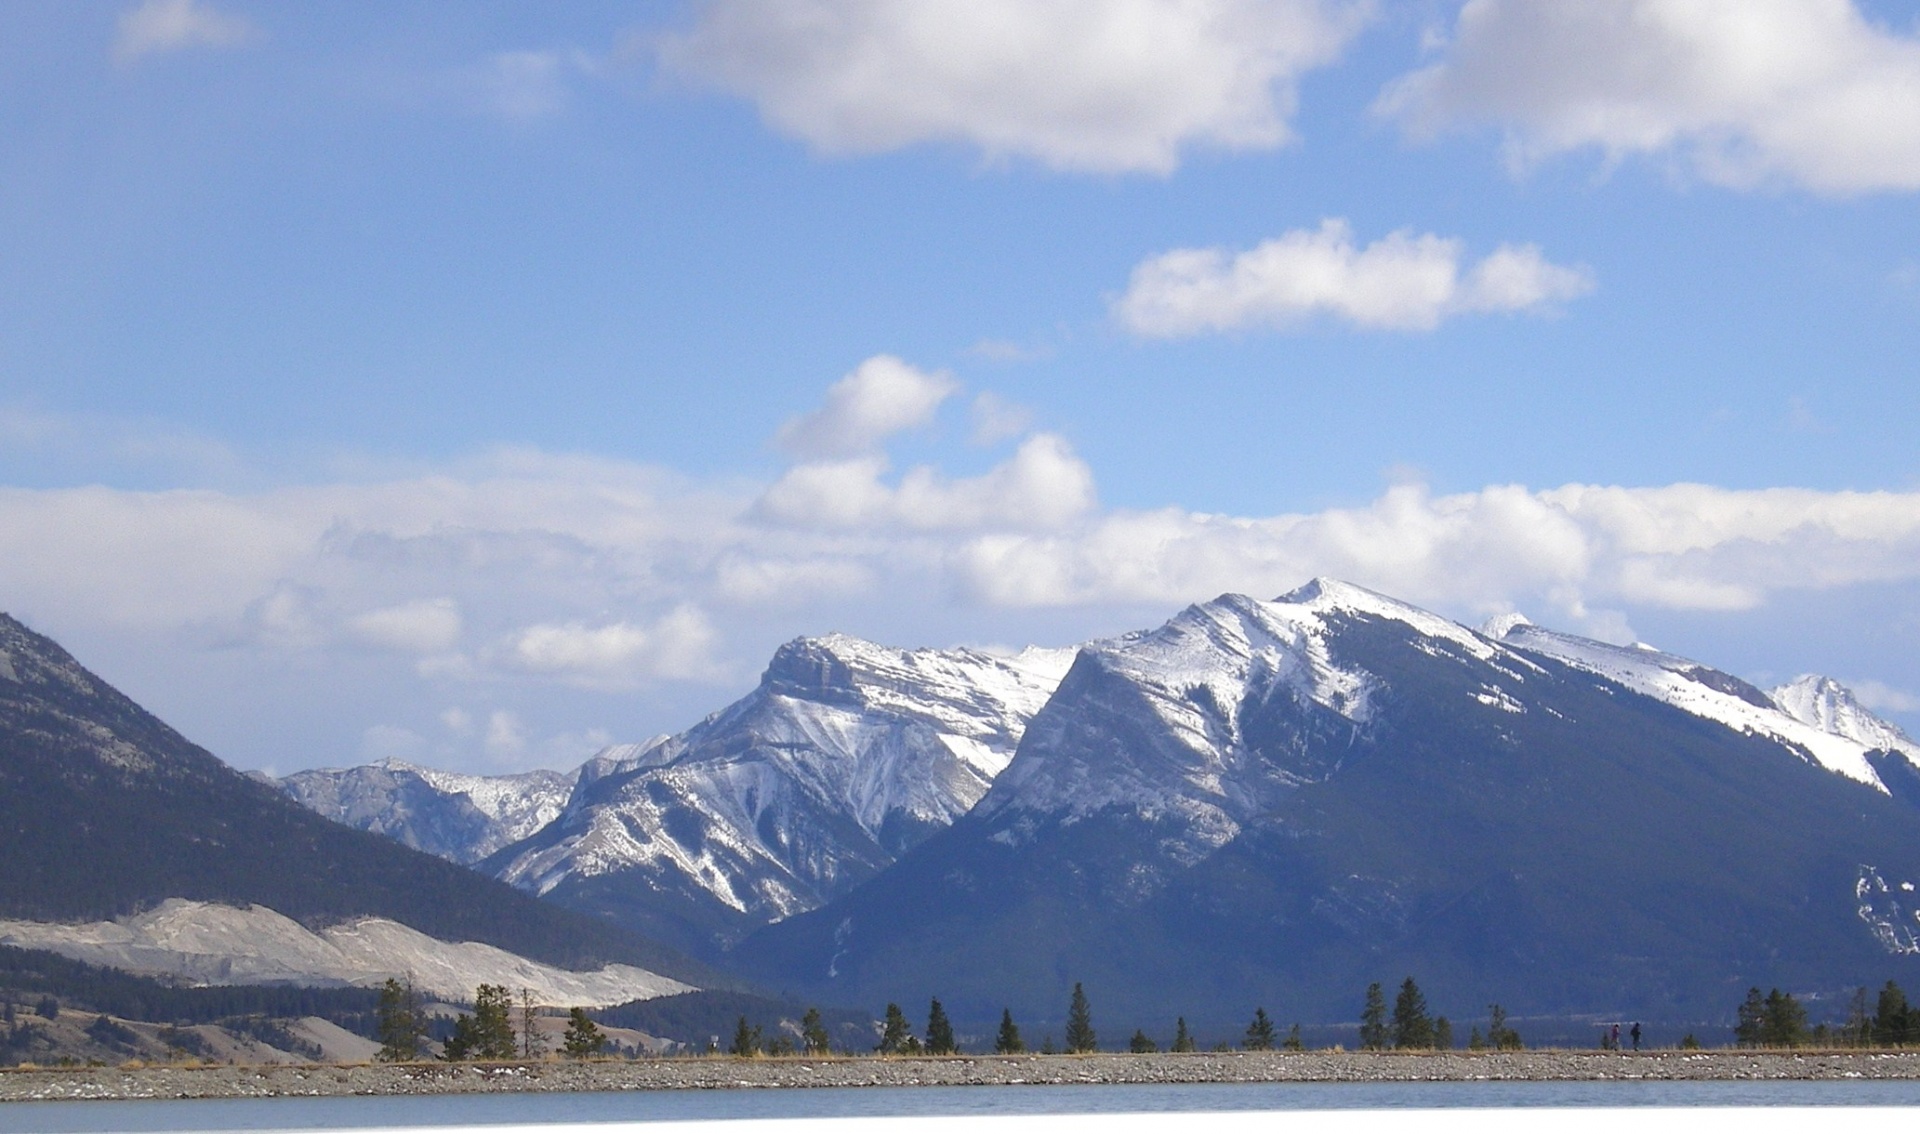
{"x":727,"y":1073}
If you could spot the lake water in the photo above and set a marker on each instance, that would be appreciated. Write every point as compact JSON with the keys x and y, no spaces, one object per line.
{"x":559,"y":1110}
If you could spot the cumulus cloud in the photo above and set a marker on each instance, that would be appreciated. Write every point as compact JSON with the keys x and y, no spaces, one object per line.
{"x":1881,"y":696}
{"x":995,"y":419}
{"x":1401,"y":282}
{"x":1114,"y":86}
{"x":1740,"y":92}
{"x":1043,"y":485}
{"x":617,"y":654}
{"x":426,"y":626}
{"x":160,"y":26}
{"x":881,"y":397}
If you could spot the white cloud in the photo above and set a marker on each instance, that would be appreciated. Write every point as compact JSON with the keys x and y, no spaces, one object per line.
{"x":881,"y":397}
{"x":1878,"y":695}
{"x":426,"y":626}
{"x":1401,"y":282}
{"x":506,"y":736}
{"x":160,"y":26}
{"x":522,"y":86}
{"x":1109,"y":86}
{"x":617,"y":654}
{"x":995,"y":419}
{"x":1043,"y":485}
{"x":1741,"y":92}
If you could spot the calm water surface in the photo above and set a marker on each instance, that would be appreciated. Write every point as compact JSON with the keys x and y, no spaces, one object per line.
{"x":830,"y":1102}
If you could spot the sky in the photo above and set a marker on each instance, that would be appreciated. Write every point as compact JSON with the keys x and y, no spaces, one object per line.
{"x":478,"y":384}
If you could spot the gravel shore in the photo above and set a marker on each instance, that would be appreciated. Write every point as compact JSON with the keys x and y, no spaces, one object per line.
{"x":726,"y":1074}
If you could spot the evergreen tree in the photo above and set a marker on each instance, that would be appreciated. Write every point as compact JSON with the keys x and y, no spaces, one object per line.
{"x":746,"y":1040}
{"x":1412,"y":1027}
{"x":1892,"y":1019}
{"x":939,"y":1031}
{"x":1373,"y":1020}
{"x":895,"y":1036}
{"x":1182,"y":1038}
{"x":398,"y":1023}
{"x":1293,"y":1041}
{"x":1749,"y":1028}
{"x":487,"y":1033}
{"x":584,"y":1039}
{"x":1784,"y":1021}
{"x":1443,"y":1033}
{"x":1858,"y":1030}
{"x":1141,"y":1043}
{"x":1080,"y":1037}
{"x":1260,"y":1032}
{"x":813,"y":1033}
{"x":781,"y":1044}
{"x":1476,"y":1041}
{"x":1008,"y":1042}
{"x":1500,"y":1037}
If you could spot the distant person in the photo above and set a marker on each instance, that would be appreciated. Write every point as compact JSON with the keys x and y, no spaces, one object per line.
{"x":1635,"y":1033}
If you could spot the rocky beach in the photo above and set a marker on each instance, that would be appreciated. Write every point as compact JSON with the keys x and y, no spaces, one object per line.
{"x":722,"y":1073}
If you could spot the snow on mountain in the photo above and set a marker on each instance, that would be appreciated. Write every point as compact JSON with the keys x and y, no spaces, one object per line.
{"x":1716,"y":696}
{"x":845,"y":755}
{"x":1831,"y":707}
{"x":1203,"y":677}
{"x":207,"y":944}
{"x":455,"y":815}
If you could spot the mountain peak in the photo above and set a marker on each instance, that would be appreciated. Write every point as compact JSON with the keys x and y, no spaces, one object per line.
{"x":1829,"y":706}
{"x":1500,"y":625}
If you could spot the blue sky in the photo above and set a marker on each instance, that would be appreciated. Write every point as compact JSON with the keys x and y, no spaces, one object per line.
{"x":485,"y":381}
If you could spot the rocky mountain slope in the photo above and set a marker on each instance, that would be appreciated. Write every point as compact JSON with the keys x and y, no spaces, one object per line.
{"x":846,"y":755}
{"x":1277,"y":803}
{"x":456,"y":816}
{"x":106,"y":812}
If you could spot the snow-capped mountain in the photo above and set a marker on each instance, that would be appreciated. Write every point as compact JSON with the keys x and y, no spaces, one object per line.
{"x":1279,"y":802}
{"x":1814,"y":714}
{"x":459,"y":817}
{"x":847,"y":754}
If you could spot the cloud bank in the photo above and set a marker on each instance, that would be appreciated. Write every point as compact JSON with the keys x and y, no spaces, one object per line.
{"x":1401,"y":282}
{"x":1117,"y":86}
{"x":158,"y":27}
{"x":1739,"y":92}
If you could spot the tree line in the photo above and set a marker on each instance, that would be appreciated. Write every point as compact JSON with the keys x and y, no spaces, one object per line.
{"x":486,"y":1033}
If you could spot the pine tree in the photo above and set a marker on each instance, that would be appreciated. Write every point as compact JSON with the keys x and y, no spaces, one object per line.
{"x":399,"y":1025}
{"x":1443,"y":1033}
{"x":813,"y":1033}
{"x":1749,"y":1029}
{"x":896,"y":1034}
{"x":1373,"y":1020}
{"x":584,"y":1039}
{"x":1141,"y":1043}
{"x":1784,"y":1021}
{"x":1476,"y":1041}
{"x":1499,"y":1036}
{"x":1260,"y":1032}
{"x":1293,"y":1041}
{"x":1892,"y":1021}
{"x":1008,"y":1042}
{"x":939,"y":1031}
{"x":746,"y":1040}
{"x":1080,"y":1037}
{"x":493,"y":1022}
{"x":1182,"y":1038}
{"x":1412,"y":1027}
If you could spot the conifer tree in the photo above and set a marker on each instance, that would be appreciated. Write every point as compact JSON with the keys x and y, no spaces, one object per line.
{"x":1749,"y":1028}
{"x":584,"y":1039}
{"x":894,"y":1037}
{"x":1499,"y":1036}
{"x":1141,"y":1043}
{"x":1858,"y":1030}
{"x":1412,"y":1027}
{"x":531,"y":1045}
{"x":1373,"y":1020}
{"x":1008,"y":1042}
{"x":399,"y":1024}
{"x":1182,"y":1038}
{"x":813,"y":1033}
{"x":1892,"y":1022}
{"x":1260,"y":1032}
{"x":1293,"y":1041}
{"x":487,"y":1033}
{"x":939,"y":1031}
{"x":1476,"y":1041}
{"x":1443,"y":1033}
{"x":1784,"y":1021}
{"x":746,"y":1040}
{"x":1080,"y":1037}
